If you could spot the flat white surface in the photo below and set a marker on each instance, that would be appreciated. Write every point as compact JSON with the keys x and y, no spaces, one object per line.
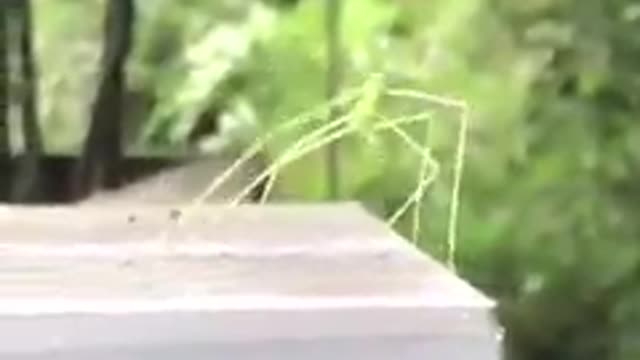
{"x":92,"y":278}
{"x":409,"y":348}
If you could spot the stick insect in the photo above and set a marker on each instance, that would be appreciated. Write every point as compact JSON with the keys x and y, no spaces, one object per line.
{"x":361,"y":118}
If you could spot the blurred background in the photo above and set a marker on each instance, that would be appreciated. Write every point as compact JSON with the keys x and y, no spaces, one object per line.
{"x":549,"y":215}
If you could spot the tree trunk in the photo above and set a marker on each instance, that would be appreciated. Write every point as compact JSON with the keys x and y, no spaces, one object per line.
{"x":28,"y":176}
{"x":99,"y":165}
{"x":5,"y":145}
{"x":334,"y":82}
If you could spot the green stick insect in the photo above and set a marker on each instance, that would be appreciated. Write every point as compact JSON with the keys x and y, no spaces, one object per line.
{"x":361,"y":119}
{"x":364,"y":112}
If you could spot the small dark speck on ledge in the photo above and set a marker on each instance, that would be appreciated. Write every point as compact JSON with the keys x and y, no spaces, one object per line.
{"x":175,"y":214}
{"x":132,"y":218}
{"x":127,"y":263}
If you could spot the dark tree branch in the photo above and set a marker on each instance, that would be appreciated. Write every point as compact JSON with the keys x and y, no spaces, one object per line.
{"x":99,"y":164}
{"x":28,"y":176}
{"x":5,"y":146}
{"x":334,"y":82}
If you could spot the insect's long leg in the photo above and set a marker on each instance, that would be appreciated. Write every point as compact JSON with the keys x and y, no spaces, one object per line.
{"x":296,"y":151}
{"x":424,"y":182}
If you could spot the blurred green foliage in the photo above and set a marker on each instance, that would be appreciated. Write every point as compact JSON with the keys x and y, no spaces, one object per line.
{"x":551,"y":197}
